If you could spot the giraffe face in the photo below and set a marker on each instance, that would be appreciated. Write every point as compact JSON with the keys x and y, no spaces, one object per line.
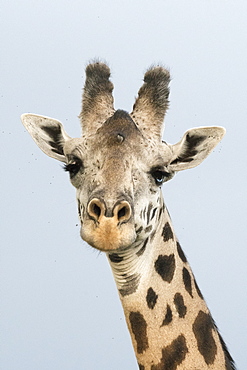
{"x":118,"y":182}
{"x":120,"y":163}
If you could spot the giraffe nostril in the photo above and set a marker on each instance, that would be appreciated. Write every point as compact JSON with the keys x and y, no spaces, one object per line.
{"x":95,"y":209}
{"x":123,"y":211}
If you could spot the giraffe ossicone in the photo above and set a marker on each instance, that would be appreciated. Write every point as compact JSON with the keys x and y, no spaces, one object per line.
{"x":117,"y":167}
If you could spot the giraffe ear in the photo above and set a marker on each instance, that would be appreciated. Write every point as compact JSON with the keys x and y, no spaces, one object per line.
{"x":48,"y":134}
{"x":195,"y":146}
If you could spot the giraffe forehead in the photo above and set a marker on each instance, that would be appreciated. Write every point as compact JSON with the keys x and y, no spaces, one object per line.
{"x":117,"y":138}
{"x":118,"y":132}
{"x":119,"y":146}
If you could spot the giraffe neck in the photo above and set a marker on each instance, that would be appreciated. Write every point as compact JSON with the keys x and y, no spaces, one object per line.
{"x":168,"y":319}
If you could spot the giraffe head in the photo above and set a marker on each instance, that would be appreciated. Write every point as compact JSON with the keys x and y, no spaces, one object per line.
{"x":120,"y":162}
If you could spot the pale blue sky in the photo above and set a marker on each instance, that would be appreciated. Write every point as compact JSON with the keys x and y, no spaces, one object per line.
{"x":59,"y":305}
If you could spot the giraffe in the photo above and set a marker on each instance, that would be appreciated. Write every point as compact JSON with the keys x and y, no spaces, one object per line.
{"x":118,"y":166}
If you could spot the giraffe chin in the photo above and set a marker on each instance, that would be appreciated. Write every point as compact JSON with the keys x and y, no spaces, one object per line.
{"x":107,"y":236}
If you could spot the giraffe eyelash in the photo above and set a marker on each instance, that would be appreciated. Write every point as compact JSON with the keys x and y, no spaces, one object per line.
{"x":73,"y":167}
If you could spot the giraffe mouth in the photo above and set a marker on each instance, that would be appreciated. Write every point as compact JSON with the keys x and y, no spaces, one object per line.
{"x":108,"y":235}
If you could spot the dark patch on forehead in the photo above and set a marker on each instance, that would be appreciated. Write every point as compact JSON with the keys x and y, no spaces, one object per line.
{"x":151,"y":298}
{"x":187,"y":281}
{"x":120,"y":115}
{"x":141,"y":367}
{"x":172,"y":355}
{"x":167,"y":232}
{"x":203,"y":328}
{"x":119,"y":126}
{"x":179,"y":304}
{"x":142,"y":249}
{"x":165,"y":267}
{"x":114,"y":257}
{"x":181,"y":253}
{"x":131,"y":284}
{"x":168,"y":316}
{"x":139,"y":328}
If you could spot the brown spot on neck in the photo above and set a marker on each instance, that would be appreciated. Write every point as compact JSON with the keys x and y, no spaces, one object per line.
{"x":172,"y":355}
{"x":179,"y":304}
{"x":167,"y":232}
{"x":139,"y":328}
{"x":203,"y":328}
{"x":187,"y":281}
{"x":165,"y":267}
{"x":151,"y":298}
{"x":168,"y":317}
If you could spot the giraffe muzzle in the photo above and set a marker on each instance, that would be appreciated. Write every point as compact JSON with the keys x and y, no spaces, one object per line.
{"x":108,"y":228}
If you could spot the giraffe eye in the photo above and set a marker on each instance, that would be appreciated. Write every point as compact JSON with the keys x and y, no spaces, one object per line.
{"x":73,"y":167}
{"x":160,"y":176}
